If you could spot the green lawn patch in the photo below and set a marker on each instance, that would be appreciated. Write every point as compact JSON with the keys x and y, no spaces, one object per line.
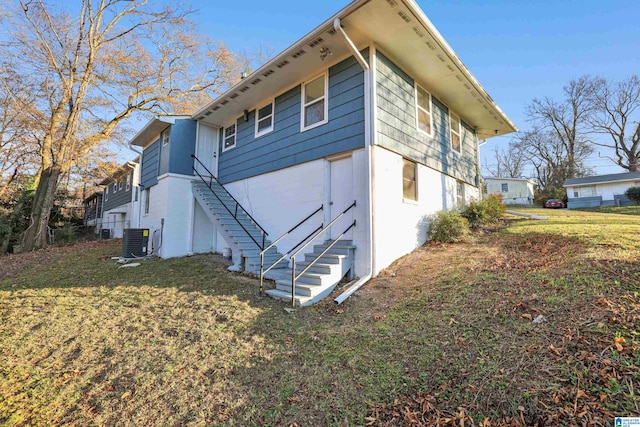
{"x":445,"y":334}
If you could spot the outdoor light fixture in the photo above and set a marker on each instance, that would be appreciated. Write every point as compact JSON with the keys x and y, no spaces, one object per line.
{"x":324,"y":51}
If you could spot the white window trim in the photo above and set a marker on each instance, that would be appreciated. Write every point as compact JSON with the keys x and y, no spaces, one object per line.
{"x":430,"y":112}
{"x":416,"y":170}
{"x":235,"y":136}
{"x":146,"y":207}
{"x":459,"y":132}
{"x":106,"y":193}
{"x":165,"y":136}
{"x":128,"y":182}
{"x":326,"y":102}
{"x":273,"y":120}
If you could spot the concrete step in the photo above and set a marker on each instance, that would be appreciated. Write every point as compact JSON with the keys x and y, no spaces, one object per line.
{"x":302,"y":289}
{"x":286,"y":296}
{"x":318,"y":267}
{"x":326,"y":258}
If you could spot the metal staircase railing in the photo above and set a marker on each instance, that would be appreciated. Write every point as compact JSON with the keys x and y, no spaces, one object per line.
{"x":310,"y":240}
{"x":264,"y":271}
{"x":234,"y":214}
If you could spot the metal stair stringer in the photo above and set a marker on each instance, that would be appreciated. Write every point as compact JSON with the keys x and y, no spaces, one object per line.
{"x":245,"y":250}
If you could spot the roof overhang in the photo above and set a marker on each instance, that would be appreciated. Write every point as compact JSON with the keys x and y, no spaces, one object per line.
{"x":131,"y":164}
{"x":588,"y":184}
{"x":401,"y":30}
{"x":529,"y":181}
{"x":152,"y":129}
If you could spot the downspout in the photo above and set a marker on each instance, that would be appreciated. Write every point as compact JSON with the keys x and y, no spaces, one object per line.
{"x":367,"y":88}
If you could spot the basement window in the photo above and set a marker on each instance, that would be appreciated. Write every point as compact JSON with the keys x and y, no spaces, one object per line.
{"x":409,"y":184}
{"x":314,"y":103}
{"x":147,"y":196}
{"x":456,"y":145}
{"x":229,"y":137}
{"x":460,"y":194}
{"x":423,"y":111}
{"x":264,"y":119}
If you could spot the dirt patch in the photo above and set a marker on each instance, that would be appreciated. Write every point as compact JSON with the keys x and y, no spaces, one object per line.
{"x":14,"y":264}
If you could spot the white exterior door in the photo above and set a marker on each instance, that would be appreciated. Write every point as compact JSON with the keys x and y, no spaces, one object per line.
{"x":341,"y":172}
{"x":207,"y":150}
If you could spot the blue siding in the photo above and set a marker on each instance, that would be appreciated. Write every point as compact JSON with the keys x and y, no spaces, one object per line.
{"x":121,"y":196}
{"x":397,"y":126}
{"x":150,"y":165}
{"x":286,"y":146}
{"x":182,"y":144}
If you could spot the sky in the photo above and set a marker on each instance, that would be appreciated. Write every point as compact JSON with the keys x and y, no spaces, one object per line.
{"x":517,"y":49}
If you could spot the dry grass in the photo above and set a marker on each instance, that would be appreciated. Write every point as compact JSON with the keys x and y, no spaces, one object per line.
{"x":443,"y":335}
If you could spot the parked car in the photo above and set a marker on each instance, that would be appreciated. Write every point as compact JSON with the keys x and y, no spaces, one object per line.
{"x":554,"y":203}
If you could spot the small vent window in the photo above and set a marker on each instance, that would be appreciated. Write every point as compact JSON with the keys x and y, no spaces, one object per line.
{"x":165,"y":137}
{"x":229,"y":137}
{"x":409,"y":185}
{"x":264,"y":120}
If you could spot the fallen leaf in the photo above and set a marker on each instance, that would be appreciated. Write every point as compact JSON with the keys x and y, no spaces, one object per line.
{"x":619,"y":341}
{"x":526,"y":316}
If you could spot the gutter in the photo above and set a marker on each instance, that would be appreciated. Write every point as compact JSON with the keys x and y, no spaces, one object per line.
{"x":348,"y":10}
{"x":368,"y":146}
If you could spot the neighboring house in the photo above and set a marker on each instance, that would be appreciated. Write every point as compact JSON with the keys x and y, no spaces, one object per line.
{"x":514,"y":191}
{"x":120,"y":191}
{"x":600,"y":190}
{"x":371,"y":119}
{"x":93,"y":211}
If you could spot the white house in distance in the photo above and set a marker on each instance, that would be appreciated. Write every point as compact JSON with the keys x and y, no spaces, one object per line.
{"x":354,"y":137}
{"x":514,"y":191}
{"x":600,"y":190}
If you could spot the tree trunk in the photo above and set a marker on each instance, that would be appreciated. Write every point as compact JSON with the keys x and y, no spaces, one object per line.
{"x":35,"y":236}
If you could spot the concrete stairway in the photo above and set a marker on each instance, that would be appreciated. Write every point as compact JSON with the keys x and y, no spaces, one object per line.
{"x":246,"y":253}
{"x":320,"y":280}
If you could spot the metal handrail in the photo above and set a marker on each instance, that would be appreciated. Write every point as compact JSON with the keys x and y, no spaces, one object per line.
{"x":262,"y":270}
{"x":233,"y":214}
{"x":295,"y":277}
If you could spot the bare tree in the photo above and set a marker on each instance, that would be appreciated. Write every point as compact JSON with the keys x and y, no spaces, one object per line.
{"x":509,"y":163}
{"x":91,"y":71}
{"x":548,"y":156}
{"x":568,"y":120}
{"x":615,"y":106}
{"x":18,"y":139}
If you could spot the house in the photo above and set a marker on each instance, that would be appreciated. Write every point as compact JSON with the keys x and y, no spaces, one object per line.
{"x":514,"y":191}
{"x":119,"y":199}
{"x":331,"y":158}
{"x":93,"y":211}
{"x":600,"y":190}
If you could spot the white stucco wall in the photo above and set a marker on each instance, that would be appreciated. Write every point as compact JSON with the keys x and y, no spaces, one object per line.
{"x":400,"y":226}
{"x":280,"y":199}
{"x":172,"y":200}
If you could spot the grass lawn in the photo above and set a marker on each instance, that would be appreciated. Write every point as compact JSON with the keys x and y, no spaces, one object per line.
{"x":445,"y":336}
{"x":625,"y":210}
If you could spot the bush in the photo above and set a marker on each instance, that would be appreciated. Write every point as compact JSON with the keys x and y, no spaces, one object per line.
{"x":633,"y":193}
{"x":484,"y":211}
{"x":448,"y":227}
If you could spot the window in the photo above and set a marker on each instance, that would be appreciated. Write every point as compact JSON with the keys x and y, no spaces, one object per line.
{"x":455,"y":133}
{"x":147,"y":196}
{"x":128,"y":187}
{"x":423,"y":110}
{"x":409,"y":187}
{"x":115,"y":187}
{"x":165,"y":136}
{"x":229,"y":137}
{"x":460,"y":194}
{"x":120,"y":185}
{"x":575,"y":194}
{"x":264,"y":119}
{"x":504,"y":187}
{"x":314,"y":103}
{"x":106,"y":193}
